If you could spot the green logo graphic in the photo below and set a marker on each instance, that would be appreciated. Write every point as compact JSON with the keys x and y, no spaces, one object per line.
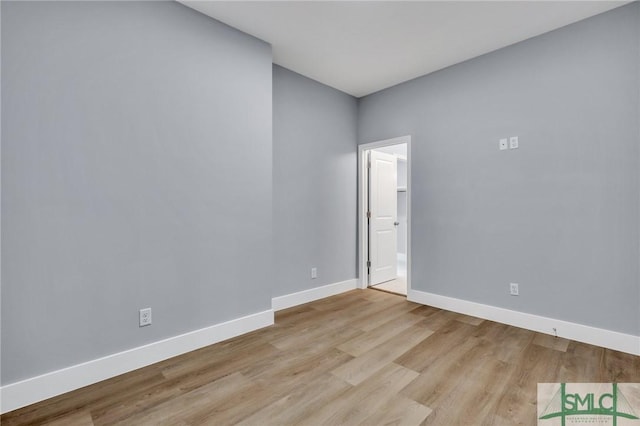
{"x":612,"y":404}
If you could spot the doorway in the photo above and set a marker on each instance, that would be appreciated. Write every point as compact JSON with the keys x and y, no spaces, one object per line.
{"x":384,"y":209}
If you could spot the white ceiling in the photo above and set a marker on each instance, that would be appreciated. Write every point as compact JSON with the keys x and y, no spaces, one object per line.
{"x":361,"y":47}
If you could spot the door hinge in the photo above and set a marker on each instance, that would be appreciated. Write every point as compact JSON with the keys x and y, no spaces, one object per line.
{"x":368,"y":264}
{"x":368,"y":164}
{"x":368,"y":215}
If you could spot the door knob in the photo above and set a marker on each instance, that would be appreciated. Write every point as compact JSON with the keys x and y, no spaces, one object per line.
{"x":396,"y":223}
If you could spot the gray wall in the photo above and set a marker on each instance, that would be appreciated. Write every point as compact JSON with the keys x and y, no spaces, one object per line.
{"x":136,"y":172}
{"x":314,"y":183}
{"x":559,"y":215}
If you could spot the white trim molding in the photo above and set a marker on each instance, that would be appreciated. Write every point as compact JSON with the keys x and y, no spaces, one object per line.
{"x":581,"y":333}
{"x":35,"y":389}
{"x":306,"y":296}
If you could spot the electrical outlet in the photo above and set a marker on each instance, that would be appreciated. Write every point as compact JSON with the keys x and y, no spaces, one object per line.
{"x":503,"y":144}
{"x":314,"y":273}
{"x":513,"y":288}
{"x":145,"y":317}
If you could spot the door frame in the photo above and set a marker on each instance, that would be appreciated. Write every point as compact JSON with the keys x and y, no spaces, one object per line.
{"x":363,"y":234}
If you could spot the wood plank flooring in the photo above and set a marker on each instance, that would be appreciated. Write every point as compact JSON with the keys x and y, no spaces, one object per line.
{"x":360,"y":358}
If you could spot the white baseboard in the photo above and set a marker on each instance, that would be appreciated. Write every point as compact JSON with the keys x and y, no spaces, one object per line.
{"x":569,"y":330}
{"x":306,"y":296}
{"x":35,"y":389}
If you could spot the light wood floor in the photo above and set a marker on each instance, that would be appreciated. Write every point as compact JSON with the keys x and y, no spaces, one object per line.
{"x":363,"y":357}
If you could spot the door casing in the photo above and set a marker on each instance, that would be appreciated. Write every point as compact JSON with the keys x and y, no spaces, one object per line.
{"x":362,"y":207}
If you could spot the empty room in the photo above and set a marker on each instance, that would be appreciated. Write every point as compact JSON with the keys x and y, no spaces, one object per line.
{"x":320,"y":213}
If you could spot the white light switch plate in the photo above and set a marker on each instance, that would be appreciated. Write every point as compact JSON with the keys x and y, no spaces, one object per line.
{"x":513,"y":142}
{"x":503,"y":144}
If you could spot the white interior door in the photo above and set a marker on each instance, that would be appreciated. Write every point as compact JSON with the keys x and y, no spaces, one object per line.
{"x":383,"y":242}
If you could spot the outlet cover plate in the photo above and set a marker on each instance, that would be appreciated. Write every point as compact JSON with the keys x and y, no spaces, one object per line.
{"x":514,"y":290}
{"x":145,"y":317}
